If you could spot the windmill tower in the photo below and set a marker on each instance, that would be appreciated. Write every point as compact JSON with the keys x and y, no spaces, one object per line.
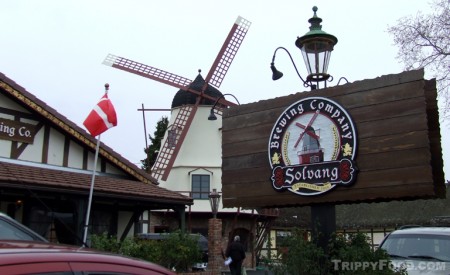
{"x":196,"y":92}
{"x":190,"y":157}
{"x":191,"y":149}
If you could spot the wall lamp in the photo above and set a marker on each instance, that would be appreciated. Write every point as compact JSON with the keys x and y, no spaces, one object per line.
{"x":212,"y":115}
{"x":276,"y":74}
{"x":316,"y":47}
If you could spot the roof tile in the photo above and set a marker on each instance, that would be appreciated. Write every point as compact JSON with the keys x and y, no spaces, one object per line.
{"x":35,"y":177}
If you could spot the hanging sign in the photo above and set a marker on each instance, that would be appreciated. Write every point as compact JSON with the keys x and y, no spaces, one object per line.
{"x":17,"y":131}
{"x":312,"y":148}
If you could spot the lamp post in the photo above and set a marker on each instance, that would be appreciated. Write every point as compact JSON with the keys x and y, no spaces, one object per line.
{"x":215,"y":260}
{"x":316,"y":47}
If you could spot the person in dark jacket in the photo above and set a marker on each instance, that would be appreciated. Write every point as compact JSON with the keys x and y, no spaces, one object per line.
{"x":237,"y":254}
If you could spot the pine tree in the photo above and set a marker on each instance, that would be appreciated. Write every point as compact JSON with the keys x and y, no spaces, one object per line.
{"x":152,"y":151}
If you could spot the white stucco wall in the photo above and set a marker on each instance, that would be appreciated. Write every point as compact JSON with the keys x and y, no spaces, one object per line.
{"x":201,"y":153}
{"x":55,"y":154}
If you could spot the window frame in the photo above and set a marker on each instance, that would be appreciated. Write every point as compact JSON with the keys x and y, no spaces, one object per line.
{"x":203,"y":191}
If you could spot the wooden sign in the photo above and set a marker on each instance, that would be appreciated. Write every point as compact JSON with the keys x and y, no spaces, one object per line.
{"x":17,"y":131}
{"x":396,"y":155}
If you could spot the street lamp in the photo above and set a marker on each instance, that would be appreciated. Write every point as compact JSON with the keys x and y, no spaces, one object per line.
{"x":316,"y":47}
{"x":214,"y":198}
{"x":214,"y":235}
{"x":212,"y":116}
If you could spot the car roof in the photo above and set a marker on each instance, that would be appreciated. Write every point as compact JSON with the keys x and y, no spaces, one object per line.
{"x":18,"y":245}
{"x":423,"y":230}
{"x":17,"y":252}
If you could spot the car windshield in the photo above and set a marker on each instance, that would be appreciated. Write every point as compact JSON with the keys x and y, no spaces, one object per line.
{"x":418,"y":246}
{"x":11,"y":231}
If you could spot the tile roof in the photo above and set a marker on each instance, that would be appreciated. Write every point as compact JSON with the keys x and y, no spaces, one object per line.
{"x":37,"y":178}
{"x":144,"y":188}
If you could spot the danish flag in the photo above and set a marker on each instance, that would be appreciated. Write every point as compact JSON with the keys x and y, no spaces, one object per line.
{"x":102,"y":117}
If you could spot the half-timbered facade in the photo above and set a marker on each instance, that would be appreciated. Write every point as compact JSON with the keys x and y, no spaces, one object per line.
{"x":46,"y":166}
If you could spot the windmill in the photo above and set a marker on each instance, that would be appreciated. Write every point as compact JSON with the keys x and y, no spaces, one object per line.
{"x":180,"y":127}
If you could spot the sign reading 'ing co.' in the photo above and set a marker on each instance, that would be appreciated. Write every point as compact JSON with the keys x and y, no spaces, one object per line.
{"x":17,"y":131}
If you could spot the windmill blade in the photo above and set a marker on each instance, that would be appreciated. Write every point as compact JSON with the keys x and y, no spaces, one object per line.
{"x":171,"y":79}
{"x":173,"y":142}
{"x":146,"y":71}
{"x":226,"y":54}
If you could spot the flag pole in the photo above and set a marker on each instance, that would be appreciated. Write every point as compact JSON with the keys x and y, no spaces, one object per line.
{"x":86,"y":225}
{"x":91,"y":191}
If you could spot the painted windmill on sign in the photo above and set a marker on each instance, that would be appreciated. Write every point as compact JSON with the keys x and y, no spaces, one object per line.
{"x":194,"y":93}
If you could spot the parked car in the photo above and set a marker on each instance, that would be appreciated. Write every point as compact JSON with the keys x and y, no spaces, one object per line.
{"x":421,"y":250}
{"x":10,"y":229}
{"x":32,"y":257}
{"x":23,"y":251}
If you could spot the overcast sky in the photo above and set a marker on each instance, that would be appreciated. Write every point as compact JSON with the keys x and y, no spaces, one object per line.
{"x":55,"y":50}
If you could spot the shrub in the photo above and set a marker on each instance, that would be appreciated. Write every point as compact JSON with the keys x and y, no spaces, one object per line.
{"x":355,"y":250}
{"x":178,"y":251}
{"x":300,"y":256}
{"x":181,"y":251}
{"x":106,"y":243}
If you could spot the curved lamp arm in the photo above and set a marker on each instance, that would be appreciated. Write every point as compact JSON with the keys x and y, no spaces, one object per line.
{"x":223,"y":96}
{"x":272,"y":66}
{"x":212,"y":116}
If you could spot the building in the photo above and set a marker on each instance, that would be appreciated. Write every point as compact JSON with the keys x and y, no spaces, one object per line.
{"x":46,"y":164}
{"x":197,"y":170}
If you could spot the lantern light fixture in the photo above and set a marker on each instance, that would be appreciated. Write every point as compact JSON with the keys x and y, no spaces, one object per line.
{"x":316,"y":47}
{"x":214,"y":198}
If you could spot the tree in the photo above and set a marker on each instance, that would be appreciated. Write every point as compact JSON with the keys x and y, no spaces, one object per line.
{"x":424,"y":42}
{"x":152,"y":151}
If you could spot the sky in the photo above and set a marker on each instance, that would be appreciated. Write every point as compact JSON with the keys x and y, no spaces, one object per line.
{"x":55,"y":50}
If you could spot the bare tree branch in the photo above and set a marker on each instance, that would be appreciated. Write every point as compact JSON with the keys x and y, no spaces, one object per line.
{"x":423,"y":41}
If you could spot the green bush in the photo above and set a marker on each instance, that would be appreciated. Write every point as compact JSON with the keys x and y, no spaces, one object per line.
{"x":178,"y":251}
{"x":355,"y":251}
{"x":106,"y":243}
{"x":345,"y":255}
{"x":181,"y":251}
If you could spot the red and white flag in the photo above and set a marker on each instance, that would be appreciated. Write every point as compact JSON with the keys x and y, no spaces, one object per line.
{"x":102,"y":117}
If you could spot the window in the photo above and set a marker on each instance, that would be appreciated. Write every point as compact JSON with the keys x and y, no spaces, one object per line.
{"x":200,"y":186}
{"x":101,"y":221}
{"x":280,"y":237}
{"x":172,"y":137}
